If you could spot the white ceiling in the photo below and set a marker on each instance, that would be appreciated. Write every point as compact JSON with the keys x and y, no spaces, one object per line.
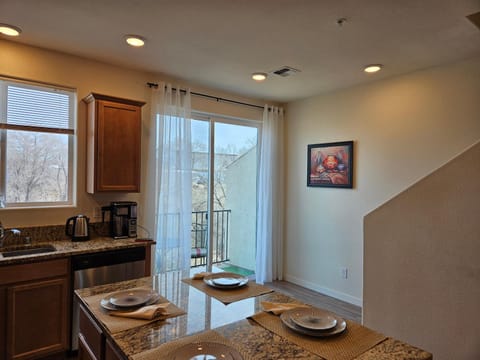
{"x":219,"y":43}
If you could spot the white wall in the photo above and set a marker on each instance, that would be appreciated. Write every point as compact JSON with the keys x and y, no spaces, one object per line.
{"x":403,"y":128}
{"x":421,"y":270}
{"x":241,"y":189}
{"x":87,"y":76}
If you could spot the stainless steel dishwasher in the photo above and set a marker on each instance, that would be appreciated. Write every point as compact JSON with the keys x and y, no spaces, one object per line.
{"x":102,"y":268}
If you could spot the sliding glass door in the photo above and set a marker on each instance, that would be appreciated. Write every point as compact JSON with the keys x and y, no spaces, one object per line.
{"x":224,"y":187}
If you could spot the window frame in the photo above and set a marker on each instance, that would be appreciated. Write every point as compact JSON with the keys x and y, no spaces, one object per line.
{"x":72,"y":142}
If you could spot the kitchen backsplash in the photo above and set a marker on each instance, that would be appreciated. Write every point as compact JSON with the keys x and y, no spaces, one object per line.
{"x":53,"y":233}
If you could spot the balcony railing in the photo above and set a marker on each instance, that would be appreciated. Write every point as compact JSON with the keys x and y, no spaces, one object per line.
{"x":221,"y":223}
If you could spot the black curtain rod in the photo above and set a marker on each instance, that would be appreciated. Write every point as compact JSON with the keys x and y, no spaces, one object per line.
{"x":211,"y":97}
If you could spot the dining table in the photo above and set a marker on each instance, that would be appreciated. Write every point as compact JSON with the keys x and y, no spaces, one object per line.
{"x":249,"y":319}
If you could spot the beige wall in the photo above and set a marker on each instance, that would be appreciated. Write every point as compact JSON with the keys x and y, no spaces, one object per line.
{"x":404,"y":128}
{"x":422,"y":271}
{"x":87,"y":76}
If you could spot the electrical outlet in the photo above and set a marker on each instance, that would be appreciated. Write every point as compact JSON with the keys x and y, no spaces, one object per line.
{"x":97,"y":213}
{"x":344,"y":272}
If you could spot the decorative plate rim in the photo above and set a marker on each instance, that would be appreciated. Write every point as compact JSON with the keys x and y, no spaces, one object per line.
{"x":337,"y":329}
{"x":184,"y":351}
{"x":209,"y":280}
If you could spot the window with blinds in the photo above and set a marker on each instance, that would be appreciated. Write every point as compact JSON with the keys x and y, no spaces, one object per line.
{"x":37,"y":130}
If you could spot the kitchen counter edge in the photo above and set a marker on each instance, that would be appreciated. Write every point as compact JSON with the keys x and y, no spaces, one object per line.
{"x":67,"y":248}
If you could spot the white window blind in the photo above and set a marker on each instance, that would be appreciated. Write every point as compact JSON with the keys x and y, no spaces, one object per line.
{"x":45,"y":110}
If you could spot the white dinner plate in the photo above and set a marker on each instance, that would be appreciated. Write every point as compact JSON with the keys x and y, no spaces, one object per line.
{"x":340,"y":326}
{"x":130,"y":298}
{"x":313,"y":320}
{"x":106,"y":304}
{"x":205,"y":351}
{"x":225,"y":280}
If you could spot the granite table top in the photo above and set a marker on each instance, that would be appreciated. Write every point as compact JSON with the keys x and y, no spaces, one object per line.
{"x":203,"y":313}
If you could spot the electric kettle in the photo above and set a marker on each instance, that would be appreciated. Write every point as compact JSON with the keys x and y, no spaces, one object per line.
{"x":77,"y":228}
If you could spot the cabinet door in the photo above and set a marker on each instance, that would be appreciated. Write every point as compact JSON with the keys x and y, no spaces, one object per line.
{"x":37,"y":318}
{"x":111,"y":353}
{"x":92,"y":335}
{"x":118,"y":147}
{"x":3,"y":315}
{"x":84,"y":352}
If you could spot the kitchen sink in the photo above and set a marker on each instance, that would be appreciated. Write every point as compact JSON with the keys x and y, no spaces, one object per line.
{"x":27,"y":250}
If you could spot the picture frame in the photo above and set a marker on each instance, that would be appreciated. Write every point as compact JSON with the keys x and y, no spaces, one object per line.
{"x":330,"y":165}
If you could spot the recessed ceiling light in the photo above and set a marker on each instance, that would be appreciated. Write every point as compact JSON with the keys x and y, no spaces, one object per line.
{"x":135,"y":40}
{"x":372,"y":68}
{"x":259,"y":76}
{"x":9,"y":30}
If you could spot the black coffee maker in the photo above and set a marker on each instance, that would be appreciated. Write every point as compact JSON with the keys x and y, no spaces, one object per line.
{"x":123,"y":219}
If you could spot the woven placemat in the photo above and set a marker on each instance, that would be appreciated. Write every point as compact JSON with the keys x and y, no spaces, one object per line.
{"x":355,"y":340}
{"x":228,"y":296}
{"x":165,"y":351}
{"x":116,"y":324}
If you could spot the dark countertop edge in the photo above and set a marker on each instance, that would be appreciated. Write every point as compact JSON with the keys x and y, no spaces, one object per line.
{"x":83,"y":247}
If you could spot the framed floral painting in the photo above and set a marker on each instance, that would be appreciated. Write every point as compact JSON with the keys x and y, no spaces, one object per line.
{"x":330,"y":165}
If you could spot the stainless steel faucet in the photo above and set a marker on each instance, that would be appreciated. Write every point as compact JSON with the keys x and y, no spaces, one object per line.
{"x":4,"y":233}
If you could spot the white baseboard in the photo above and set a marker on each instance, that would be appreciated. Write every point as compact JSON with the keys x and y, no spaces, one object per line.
{"x":326,"y":291}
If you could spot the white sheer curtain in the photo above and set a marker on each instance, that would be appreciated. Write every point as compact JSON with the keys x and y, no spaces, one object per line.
{"x":269,"y":264}
{"x":171,"y":113}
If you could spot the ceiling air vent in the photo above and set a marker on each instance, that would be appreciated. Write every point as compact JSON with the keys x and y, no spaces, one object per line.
{"x":475,"y":19}
{"x":285,"y":71}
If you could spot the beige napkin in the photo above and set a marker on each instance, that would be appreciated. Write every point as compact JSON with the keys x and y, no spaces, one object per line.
{"x":278,"y":308}
{"x":201,"y":275}
{"x":148,"y":312}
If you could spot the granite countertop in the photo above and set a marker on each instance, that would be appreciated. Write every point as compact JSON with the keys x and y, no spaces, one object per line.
{"x":55,"y":235}
{"x":204,"y":313}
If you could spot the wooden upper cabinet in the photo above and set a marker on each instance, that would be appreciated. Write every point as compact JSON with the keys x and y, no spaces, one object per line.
{"x":113,"y":144}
